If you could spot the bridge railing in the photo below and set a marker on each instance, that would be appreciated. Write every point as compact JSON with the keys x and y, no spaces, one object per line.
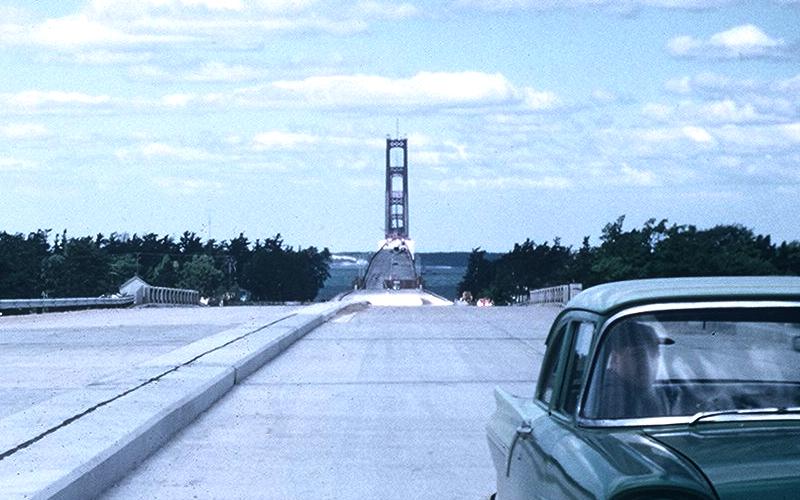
{"x":555,"y":294}
{"x":65,"y":302}
{"x":164,"y":295}
{"x":144,"y":295}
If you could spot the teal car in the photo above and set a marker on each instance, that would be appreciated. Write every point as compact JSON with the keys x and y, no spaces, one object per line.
{"x":682,"y":388}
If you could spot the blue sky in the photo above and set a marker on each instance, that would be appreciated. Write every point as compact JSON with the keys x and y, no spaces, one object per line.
{"x":525,"y":118}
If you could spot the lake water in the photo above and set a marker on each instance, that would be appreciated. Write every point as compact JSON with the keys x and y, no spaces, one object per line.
{"x":441,"y":280}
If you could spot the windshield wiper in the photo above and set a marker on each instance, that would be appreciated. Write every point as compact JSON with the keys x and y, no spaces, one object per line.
{"x":749,"y":411}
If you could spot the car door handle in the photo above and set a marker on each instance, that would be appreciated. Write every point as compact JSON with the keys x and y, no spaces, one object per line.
{"x":523,"y":431}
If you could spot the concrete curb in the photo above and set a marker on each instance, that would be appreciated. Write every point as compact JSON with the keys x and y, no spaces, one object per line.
{"x":78,"y":444}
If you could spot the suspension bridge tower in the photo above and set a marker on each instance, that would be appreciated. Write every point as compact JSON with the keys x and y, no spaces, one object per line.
{"x":396,"y":189}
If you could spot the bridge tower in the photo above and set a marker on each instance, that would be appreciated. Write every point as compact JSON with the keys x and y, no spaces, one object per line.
{"x":396,"y":188}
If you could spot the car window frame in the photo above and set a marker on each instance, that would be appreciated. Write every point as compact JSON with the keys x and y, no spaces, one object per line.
{"x":555,"y":335}
{"x":574,"y":320}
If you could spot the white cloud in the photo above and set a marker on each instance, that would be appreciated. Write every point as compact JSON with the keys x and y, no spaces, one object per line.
{"x":177,"y":100}
{"x":276,"y":139}
{"x":211,"y":71}
{"x":186,"y":186}
{"x":637,"y":177}
{"x":615,"y":5}
{"x":604,"y":96}
{"x":791,"y":85}
{"x":745,"y":41}
{"x":121,"y":23}
{"x":24,"y":131}
{"x":76,"y":31}
{"x":765,"y":138}
{"x":654,"y":144}
{"x":497,"y":182}
{"x":31,"y":99}
{"x":620,"y":6}
{"x":162,"y":151}
{"x":215,"y":71}
{"x":10,"y":164}
{"x":720,"y":99}
{"x":713,"y":84}
{"x":658,"y":111}
{"x":698,"y":134}
{"x":709,"y":112}
{"x":438,"y":153}
{"x":537,"y":101}
{"x":109,"y":57}
{"x":425,"y":89}
{"x":694,"y":134}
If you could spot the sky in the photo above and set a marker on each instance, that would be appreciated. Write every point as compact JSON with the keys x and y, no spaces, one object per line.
{"x":525,"y":118}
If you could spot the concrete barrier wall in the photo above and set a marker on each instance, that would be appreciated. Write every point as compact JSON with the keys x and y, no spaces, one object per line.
{"x":555,"y":295}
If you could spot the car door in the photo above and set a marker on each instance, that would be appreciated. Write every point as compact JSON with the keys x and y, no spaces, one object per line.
{"x":518,"y":430}
{"x":570,"y":471}
{"x":540,"y":462}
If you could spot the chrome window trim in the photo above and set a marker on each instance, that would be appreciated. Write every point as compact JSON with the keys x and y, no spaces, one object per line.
{"x":672,"y":306}
{"x":678,"y":420}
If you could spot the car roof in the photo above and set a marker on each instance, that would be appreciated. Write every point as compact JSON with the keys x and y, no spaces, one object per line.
{"x":609,"y":297}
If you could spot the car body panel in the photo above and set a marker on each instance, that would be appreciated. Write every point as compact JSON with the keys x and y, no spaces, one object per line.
{"x":744,"y":457}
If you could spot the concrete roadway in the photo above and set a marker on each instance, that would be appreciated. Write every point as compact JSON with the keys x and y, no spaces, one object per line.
{"x":388,"y":264}
{"x":382,"y":403}
{"x":45,"y":355}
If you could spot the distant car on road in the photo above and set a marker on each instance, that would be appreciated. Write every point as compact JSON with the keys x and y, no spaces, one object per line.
{"x":672,"y":388}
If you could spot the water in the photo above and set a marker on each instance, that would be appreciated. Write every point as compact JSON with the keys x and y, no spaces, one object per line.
{"x":441,"y":280}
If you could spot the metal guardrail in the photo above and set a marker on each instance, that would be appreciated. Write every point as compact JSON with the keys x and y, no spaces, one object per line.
{"x":65,"y":302}
{"x":555,"y":294}
{"x":145,"y":295}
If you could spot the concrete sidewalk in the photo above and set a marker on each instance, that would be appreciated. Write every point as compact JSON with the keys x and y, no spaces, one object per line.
{"x":77,"y":444}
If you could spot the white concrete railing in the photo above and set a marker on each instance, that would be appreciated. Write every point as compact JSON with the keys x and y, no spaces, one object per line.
{"x":555,"y":294}
{"x":164,"y":295}
{"x":65,"y":302}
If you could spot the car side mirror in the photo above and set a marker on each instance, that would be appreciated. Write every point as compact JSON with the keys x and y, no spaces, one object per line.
{"x":796,"y":343}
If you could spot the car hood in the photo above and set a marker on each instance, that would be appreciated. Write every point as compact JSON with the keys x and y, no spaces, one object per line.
{"x":742,"y":459}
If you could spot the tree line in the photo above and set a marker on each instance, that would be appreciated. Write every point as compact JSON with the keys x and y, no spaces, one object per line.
{"x":266,"y":270}
{"x":655,"y":250}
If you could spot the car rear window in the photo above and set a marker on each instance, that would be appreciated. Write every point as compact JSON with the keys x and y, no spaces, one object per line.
{"x":685,"y":362}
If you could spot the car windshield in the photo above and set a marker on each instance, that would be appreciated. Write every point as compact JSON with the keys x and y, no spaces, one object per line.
{"x":681,"y":363}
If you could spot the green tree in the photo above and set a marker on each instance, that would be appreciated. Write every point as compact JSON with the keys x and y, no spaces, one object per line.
{"x":165,"y":273}
{"x":20,"y":264}
{"x":724,"y":250}
{"x":787,"y":258}
{"x":81,"y":269}
{"x":478,"y":276}
{"x":121,"y":269}
{"x":626,"y":255}
{"x":277,"y":273}
{"x":201,"y":274}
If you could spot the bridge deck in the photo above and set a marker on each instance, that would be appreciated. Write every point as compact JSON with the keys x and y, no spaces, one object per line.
{"x":389,"y":265}
{"x":381,"y":403}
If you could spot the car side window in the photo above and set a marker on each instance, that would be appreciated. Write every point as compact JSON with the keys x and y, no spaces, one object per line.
{"x":577,"y":364}
{"x":547,"y":376}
